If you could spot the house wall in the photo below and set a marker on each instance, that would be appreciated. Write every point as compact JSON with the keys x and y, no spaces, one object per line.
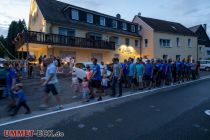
{"x":121,"y":50}
{"x":36,"y":18}
{"x":174,"y":50}
{"x":147,"y":33}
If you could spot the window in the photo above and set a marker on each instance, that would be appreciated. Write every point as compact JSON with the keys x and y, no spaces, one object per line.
{"x":102,"y":21}
{"x":114,"y":24}
{"x":177,"y":42}
{"x":189,"y":43}
{"x":145,"y":43}
{"x":127,"y":41}
{"x":133,"y":28}
{"x":74,"y":14}
{"x":114,"y":39}
{"x":66,"y":32}
{"x":208,"y":52}
{"x":89,"y":18}
{"x":165,"y":43}
{"x":165,"y":57}
{"x":124,"y":26}
{"x":178,"y":57}
{"x":94,"y":36}
{"x":136,"y":43}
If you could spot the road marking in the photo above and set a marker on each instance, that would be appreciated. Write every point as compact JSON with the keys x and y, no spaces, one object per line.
{"x":94,"y":128}
{"x":103,"y":101}
{"x":207,"y":112}
{"x":81,"y":126}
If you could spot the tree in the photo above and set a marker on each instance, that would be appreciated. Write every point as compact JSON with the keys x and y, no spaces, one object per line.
{"x":14,"y":28}
{"x":3,"y":41}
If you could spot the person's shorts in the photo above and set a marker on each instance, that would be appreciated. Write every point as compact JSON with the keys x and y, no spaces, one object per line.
{"x":51,"y":88}
{"x":131,"y":79}
{"x":95,"y":84}
{"x":139,"y":78}
{"x":154,"y":78}
{"x":162,"y":76}
{"x":169,"y":76}
{"x":148,"y":78}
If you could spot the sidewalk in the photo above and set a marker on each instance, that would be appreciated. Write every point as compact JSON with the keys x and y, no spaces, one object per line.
{"x":34,"y":93}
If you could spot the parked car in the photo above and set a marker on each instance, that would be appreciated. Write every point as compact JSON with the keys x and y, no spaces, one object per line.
{"x":2,"y":76}
{"x":205,"y":65}
{"x":80,"y":69}
{"x":2,"y":62}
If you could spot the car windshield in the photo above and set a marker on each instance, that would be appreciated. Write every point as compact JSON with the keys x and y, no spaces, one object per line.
{"x":89,"y":65}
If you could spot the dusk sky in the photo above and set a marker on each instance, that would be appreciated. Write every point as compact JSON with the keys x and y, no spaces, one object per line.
{"x":187,"y":12}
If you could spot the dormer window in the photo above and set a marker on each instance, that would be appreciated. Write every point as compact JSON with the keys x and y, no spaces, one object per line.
{"x":75,"y":14}
{"x":114,"y":24}
{"x":89,"y":18}
{"x":124,"y":26}
{"x":133,"y":28}
{"x":102,"y":21}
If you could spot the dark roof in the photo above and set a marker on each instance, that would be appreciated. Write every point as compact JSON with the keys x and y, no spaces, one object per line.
{"x":203,"y":38}
{"x":167,"y":26}
{"x":194,"y":28}
{"x":54,"y":12}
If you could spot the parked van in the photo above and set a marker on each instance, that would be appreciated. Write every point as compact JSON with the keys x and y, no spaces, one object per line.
{"x":205,"y":65}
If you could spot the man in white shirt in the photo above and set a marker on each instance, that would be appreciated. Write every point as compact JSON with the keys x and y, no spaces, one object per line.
{"x":50,"y":82}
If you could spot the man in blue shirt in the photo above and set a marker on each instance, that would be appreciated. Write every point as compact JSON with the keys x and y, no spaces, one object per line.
{"x":159,"y":72}
{"x":179,"y":69}
{"x":125,"y":69}
{"x":95,"y":80}
{"x":148,"y":73}
{"x":10,"y":80}
{"x":131,"y":73}
{"x":168,"y":72}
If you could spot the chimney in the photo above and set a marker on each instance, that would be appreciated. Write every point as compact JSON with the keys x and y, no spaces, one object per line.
{"x":205,"y":27}
{"x":139,"y":14}
{"x":118,"y":16}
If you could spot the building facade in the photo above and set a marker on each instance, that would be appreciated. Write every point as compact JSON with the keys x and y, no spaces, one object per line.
{"x":203,"y":41}
{"x":165,"y":39}
{"x":60,"y":29}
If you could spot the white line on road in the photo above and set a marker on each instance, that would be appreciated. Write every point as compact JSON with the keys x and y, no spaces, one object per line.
{"x":207,"y":112}
{"x":95,"y":103}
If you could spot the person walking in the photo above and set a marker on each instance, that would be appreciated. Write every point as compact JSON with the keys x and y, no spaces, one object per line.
{"x":116,"y":77}
{"x":139,"y":72}
{"x":95,"y":80}
{"x":19,"y":94}
{"x":131,"y":73}
{"x":125,"y":68}
{"x":148,"y":74}
{"x":50,"y":83}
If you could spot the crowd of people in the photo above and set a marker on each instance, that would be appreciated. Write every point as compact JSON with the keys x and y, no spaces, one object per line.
{"x":134,"y":74}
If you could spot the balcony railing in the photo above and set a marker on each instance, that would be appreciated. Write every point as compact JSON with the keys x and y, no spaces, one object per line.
{"x":55,"y":39}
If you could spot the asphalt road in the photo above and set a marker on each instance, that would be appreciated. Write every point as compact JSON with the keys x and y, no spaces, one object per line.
{"x":176,"y":114}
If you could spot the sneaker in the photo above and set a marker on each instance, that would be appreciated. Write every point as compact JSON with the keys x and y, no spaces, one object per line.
{"x":119,"y":95}
{"x":59,"y":107}
{"x":100,"y":99}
